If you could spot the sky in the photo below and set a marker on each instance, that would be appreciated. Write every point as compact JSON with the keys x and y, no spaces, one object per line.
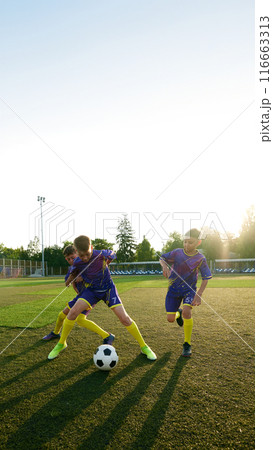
{"x":143,"y":108}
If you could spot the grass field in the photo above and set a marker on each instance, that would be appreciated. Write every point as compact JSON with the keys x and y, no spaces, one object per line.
{"x":205,"y":402}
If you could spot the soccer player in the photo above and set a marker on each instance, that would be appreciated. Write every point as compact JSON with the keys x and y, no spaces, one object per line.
{"x":70,"y":254}
{"x":93,"y":268}
{"x":181,"y":267}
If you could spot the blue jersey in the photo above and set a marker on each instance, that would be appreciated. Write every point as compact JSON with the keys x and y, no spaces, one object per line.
{"x":95,"y":272}
{"x":186,"y":267}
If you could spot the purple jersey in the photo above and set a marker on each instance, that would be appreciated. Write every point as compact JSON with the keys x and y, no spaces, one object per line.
{"x":95,"y":272}
{"x":186,"y":267}
{"x":79,"y":284}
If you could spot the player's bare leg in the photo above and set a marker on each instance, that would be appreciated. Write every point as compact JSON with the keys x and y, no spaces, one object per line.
{"x":132,"y":327}
{"x":171,"y":317}
{"x":69,"y":323}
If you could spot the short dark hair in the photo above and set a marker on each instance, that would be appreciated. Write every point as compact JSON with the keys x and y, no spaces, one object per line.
{"x":69,"y":250}
{"x":193,"y":233}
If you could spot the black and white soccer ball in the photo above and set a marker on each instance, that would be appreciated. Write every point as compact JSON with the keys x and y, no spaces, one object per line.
{"x":105,"y":357}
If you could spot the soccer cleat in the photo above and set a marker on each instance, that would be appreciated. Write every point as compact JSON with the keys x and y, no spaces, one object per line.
{"x":179,"y":319}
{"x":186,"y":349}
{"x":149,"y":353}
{"x":51,"y":335}
{"x":109,"y":339}
{"x":56,"y":350}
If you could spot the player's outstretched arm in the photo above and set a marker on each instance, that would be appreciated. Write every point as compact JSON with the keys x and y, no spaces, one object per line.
{"x":199,"y":293}
{"x":71,"y":278}
{"x":165,"y":268}
{"x":109,"y":254}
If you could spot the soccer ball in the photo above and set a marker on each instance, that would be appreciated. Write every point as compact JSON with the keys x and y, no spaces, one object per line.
{"x":105,"y":357}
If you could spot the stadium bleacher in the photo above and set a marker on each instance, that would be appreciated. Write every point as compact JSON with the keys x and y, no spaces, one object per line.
{"x":220,"y":266}
{"x":136,"y":272}
{"x":245,"y":270}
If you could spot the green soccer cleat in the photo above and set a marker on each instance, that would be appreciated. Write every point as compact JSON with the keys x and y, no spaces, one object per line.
{"x":179,"y":319}
{"x":56,"y":350}
{"x":149,"y":353}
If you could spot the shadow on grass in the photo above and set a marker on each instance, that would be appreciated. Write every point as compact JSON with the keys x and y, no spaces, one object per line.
{"x":102,"y":434}
{"x":54,"y":416}
{"x":152,"y":424}
{"x":23,"y":374}
{"x":11,"y":403}
{"x":8,"y":359}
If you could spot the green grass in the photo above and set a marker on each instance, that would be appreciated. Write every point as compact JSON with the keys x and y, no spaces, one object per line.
{"x":153,"y":281}
{"x":20,"y":306}
{"x":144,"y":281}
{"x":205,"y":402}
{"x":16,"y":282}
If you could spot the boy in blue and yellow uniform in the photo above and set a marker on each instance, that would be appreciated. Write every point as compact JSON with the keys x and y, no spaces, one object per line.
{"x":181,"y":267}
{"x":92,"y":265}
{"x":70,"y":255}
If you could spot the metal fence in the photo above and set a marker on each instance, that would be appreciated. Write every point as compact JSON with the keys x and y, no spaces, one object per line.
{"x":15,"y":268}
{"x":57,"y":271}
{"x":239,"y":265}
{"x":18,"y":268}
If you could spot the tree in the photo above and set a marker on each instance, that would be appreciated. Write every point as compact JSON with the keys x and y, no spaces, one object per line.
{"x":125,"y":240}
{"x":213,"y":246}
{"x":33,"y":249}
{"x":100,"y":244}
{"x":66,"y":243}
{"x":10,"y":253}
{"x":230,"y":249}
{"x":144,"y":251}
{"x":6,"y":252}
{"x":23,"y":254}
{"x":246,"y":240}
{"x":54,"y":256}
{"x":174,"y":242}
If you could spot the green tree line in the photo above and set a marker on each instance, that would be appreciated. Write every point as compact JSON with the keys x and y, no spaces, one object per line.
{"x":214,"y":247}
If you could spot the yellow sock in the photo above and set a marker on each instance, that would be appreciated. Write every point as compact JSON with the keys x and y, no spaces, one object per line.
{"x":188,"y":324}
{"x":59,"y":322}
{"x":67,"y":327}
{"x":92,"y":326}
{"x":134,"y":331}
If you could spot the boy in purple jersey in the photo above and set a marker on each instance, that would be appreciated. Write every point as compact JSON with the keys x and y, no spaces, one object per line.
{"x":92,"y":265}
{"x":183,"y":274}
{"x":70,"y":254}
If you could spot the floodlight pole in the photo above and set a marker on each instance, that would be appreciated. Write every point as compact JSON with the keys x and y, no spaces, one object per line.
{"x":42,"y":200}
